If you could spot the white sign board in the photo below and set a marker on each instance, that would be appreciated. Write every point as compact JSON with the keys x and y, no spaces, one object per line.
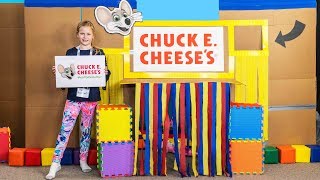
{"x":174,"y":49}
{"x":80,"y":71}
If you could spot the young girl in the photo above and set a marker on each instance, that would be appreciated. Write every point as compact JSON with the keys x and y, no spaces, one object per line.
{"x":78,"y":99}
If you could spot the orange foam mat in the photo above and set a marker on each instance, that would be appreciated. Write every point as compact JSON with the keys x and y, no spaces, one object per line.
{"x":246,"y":157}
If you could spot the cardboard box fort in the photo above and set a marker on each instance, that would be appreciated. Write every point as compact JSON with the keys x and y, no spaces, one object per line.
{"x":292,"y":69}
{"x":50,"y":29}
{"x":50,"y":23}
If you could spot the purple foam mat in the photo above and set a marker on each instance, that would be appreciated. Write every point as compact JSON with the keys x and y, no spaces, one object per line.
{"x":117,"y":159}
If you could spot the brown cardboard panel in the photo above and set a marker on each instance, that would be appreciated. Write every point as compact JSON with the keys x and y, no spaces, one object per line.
{"x":298,"y":59}
{"x":289,"y":16}
{"x":49,"y":32}
{"x":12,"y":64}
{"x":11,"y":15}
{"x":289,"y":92}
{"x":295,"y":61}
{"x":12,"y":115}
{"x":102,"y":38}
{"x":43,"y":125}
{"x":242,"y":42}
{"x":292,"y":127}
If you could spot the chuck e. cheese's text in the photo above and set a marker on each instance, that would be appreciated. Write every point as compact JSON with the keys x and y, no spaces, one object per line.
{"x":88,"y":69}
{"x":177,"y":41}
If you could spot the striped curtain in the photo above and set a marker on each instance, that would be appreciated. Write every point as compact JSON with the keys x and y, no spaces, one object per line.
{"x":198,"y":116}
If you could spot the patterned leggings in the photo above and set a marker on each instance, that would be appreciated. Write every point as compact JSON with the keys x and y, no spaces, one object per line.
{"x":70,"y":114}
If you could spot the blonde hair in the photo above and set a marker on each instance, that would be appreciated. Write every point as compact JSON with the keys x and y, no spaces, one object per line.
{"x":88,"y":23}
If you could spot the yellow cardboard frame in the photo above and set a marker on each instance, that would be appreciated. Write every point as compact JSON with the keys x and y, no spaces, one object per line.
{"x":230,"y":24}
{"x":248,"y":69}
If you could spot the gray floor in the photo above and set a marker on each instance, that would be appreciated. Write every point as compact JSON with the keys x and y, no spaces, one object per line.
{"x":276,"y":171}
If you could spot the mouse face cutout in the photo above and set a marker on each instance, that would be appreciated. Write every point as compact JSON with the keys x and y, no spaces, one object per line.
{"x":66,"y":72}
{"x":119,"y":20}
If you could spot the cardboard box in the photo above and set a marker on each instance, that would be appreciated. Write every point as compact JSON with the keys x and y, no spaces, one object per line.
{"x":290,"y":92}
{"x":292,"y":127}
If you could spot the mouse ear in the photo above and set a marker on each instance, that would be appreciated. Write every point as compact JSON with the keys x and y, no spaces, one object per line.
{"x":60,"y":68}
{"x":124,"y":5}
{"x":73,"y":69}
{"x":102,"y":15}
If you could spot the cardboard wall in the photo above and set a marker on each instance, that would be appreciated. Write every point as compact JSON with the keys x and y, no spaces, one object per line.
{"x":50,"y":32}
{"x":292,"y":71}
{"x":12,"y":71}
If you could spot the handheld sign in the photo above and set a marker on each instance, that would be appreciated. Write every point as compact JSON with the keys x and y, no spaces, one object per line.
{"x":80,"y":71}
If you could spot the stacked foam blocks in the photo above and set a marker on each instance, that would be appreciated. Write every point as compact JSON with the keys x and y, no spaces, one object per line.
{"x":115,"y":140}
{"x":245,"y":137}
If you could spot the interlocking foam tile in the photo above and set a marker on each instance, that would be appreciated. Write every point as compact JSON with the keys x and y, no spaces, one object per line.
{"x":33,"y":157}
{"x":16,"y":156}
{"x":117,"y":159}
{"x":5,"y":144}
{"x":114,"y":123}
{"x":99,"y":157}
{"x":5,"y":130}
{"x":302,"y":153}
{"x":46,"y":156}
{"x":245,"y":123}
{"x":246,"y":157}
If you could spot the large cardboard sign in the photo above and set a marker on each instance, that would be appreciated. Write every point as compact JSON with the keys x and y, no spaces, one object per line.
{"x":178,"y":49}
{"x":80,"y":71}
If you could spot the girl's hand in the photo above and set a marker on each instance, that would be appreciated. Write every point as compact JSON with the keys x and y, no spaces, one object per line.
{"x":106,"y":70}
{"x":53,"y":70}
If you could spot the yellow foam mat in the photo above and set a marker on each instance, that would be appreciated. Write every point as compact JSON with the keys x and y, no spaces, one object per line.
{"x":114,"y":123}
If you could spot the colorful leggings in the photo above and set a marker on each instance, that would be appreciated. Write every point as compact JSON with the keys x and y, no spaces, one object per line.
{"x":70,"y":114}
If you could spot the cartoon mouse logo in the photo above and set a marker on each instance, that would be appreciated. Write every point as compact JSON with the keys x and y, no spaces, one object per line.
{"x":119,"y":20}
{"x":67,"y":72}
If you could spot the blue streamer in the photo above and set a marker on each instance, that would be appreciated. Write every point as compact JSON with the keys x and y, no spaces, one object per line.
{"x":147,"y":124}
{"x":188,"y":120}
{"x":159,"y":128}
{"x":229,"y":170}
{"x":200,"y":150}
{"x":188,"y":113}
{"x":213,"y":129}
{"x":172,"y":115}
